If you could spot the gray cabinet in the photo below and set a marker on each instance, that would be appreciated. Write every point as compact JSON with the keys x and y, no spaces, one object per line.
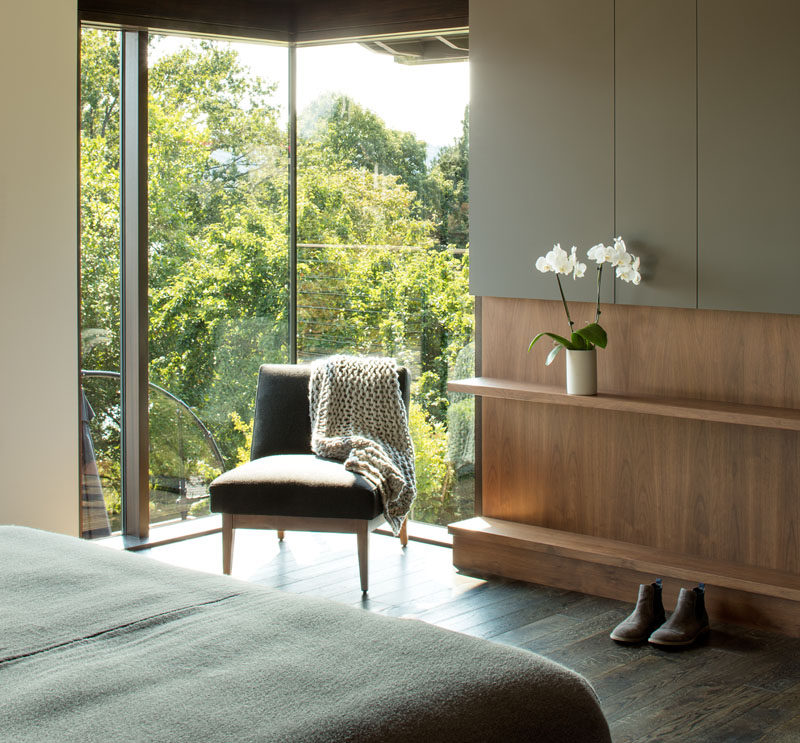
{"x":655,"y":148}
{"x":675,"y":123}
{"x":541,"y":139}
{"x":749,"y":155}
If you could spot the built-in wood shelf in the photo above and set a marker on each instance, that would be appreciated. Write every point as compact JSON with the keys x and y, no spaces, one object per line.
{"x":497,"y":533}
{"x":759,"y":416}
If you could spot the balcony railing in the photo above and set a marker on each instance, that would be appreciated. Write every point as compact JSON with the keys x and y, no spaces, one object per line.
{"x":184,"y":455}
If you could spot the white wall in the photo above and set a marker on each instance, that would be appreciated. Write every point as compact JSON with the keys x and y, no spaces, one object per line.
{"x":38,"y":266}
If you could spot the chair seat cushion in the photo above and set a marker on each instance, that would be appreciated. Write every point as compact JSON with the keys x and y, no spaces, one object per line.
{"x":295,"y":485}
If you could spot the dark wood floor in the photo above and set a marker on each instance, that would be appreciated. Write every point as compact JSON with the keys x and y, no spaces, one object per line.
{"x":739,"y":685}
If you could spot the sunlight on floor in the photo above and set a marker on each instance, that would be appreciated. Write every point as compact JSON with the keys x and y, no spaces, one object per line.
{"x":302,"y":561}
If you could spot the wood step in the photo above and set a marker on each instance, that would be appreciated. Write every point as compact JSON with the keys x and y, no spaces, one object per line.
{"x":651,"y":561}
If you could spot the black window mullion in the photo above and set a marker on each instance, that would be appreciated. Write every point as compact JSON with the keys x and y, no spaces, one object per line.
{"x":292,"y":61}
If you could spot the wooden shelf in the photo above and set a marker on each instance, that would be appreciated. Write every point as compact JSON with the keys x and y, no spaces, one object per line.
{"x":498,"y":533}
{"x":759,"y":416}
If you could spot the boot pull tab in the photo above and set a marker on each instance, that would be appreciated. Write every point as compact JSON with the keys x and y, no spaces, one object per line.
{"x":658,"y":582}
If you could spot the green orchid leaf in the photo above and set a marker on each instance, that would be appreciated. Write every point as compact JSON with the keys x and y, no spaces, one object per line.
{"x":557,"y":338}
{"x":551,"y":357}
{"x":536,"y":338}
{"x":578,"y":342}
{"x":593,"y":333}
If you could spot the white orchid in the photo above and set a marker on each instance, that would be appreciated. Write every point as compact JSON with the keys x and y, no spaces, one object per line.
{"x":630,"y":272}
{"x":600,"y":254}
{"x":619,"y":255}
{"x":578,"y":268}
{"x":555,"y":260}
{"x":558,"y":262}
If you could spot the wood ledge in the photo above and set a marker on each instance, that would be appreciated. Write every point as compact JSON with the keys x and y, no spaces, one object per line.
{"x":760,"y":416}
{"x":616,"y":554}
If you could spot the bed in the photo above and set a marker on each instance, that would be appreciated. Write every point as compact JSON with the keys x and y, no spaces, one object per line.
{"x":99,"y":645}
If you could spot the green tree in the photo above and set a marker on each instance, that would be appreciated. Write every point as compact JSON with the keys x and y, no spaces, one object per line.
{"x":449,"y":190}
{"x":218,"y":262}
{"x":350,"y":135}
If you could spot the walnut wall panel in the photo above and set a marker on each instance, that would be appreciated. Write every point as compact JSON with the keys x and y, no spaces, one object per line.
{"x":740,"y":357}
{"x":714,"y":490}
{"x":281,"y":20}
{"x":703,"y":489}
{"x":271,"y":19}
{"x":321,"y":19}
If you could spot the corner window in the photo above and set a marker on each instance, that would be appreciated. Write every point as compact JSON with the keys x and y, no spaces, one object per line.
{"x":382,"y":252}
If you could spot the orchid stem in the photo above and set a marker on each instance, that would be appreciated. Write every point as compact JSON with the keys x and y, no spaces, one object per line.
{"x":564,"y":300}
{"x":597,"y":311}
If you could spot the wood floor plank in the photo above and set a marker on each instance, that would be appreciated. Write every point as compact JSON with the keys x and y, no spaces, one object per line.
{"x":495,"y":619}
{"x":715,"y":701}
{"x":536,"y":630}
{"x":787,"y":732}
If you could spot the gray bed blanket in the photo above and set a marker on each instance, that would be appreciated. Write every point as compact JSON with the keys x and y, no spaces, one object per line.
{"x":97,"y":645}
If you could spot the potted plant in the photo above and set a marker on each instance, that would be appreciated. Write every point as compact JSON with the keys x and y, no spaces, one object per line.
{"x":582,"y":343}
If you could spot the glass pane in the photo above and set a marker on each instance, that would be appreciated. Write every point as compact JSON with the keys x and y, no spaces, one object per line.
{"x":383,"y":258}
{"x":100,"y":283}
{"x":218,"y":272}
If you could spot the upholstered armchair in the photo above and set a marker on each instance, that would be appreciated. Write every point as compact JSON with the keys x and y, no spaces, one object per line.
{"x":285,"y":486}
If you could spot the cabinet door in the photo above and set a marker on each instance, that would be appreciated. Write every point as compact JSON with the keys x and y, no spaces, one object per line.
{"x":749,"y":155}
{"x":541,"y":150}
{"x":656,"y":148}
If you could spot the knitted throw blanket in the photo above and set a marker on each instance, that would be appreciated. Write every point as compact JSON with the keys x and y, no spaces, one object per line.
{"x":358,"y":417}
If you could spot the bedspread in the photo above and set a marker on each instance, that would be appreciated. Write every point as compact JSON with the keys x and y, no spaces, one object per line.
{"x":98,"y":645}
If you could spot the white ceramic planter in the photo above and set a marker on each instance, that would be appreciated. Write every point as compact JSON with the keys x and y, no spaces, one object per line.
{"x":582,"y":372}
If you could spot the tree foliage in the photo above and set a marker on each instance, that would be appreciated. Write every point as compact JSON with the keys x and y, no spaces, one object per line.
{"x":449,"y":191}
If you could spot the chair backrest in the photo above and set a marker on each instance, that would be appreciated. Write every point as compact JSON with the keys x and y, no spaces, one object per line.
{"x":282,"y":423}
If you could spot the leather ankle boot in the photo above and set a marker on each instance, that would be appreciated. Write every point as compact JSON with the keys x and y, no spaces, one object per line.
{"x":687,"y":622}
{"x":648,"y":614}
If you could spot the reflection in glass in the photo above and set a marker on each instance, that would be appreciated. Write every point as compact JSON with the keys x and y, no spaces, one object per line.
{"x":383,"y":258}
{"x":100,"y":281}
{"x":218,"y":261}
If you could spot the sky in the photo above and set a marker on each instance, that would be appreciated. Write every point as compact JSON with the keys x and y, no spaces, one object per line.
{"x":428,"y":100}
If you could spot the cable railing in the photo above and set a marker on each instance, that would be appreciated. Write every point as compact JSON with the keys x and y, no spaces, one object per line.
{"x":209,"y":437}
{"x":181,"y":462}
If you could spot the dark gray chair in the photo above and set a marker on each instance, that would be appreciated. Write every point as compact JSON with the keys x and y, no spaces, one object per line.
{"x":285,"y":486}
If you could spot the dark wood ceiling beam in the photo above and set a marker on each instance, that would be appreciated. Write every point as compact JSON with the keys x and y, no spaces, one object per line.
{"x":319,"y":20}
{"x":304,"y":21}
{"x":272,"y":20}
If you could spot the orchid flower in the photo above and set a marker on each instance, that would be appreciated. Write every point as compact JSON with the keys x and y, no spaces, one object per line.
{"x":557,"y":261}
{"x":630,"y":272}
{"x":600,"y":253}
{"x":578,"y":268}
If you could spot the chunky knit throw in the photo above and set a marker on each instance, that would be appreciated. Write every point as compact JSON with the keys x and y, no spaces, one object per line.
{"x":358,"y":417}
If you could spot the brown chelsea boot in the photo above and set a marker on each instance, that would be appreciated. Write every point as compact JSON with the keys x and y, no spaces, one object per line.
{"x":648,"y":614}
{"x":687,"y":622}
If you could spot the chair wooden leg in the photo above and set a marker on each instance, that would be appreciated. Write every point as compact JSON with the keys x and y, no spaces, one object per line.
{"x":227,"y":543}
{"x":404,"y":532}
{"x":281,"y":535}
{"x":363,"y":554}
